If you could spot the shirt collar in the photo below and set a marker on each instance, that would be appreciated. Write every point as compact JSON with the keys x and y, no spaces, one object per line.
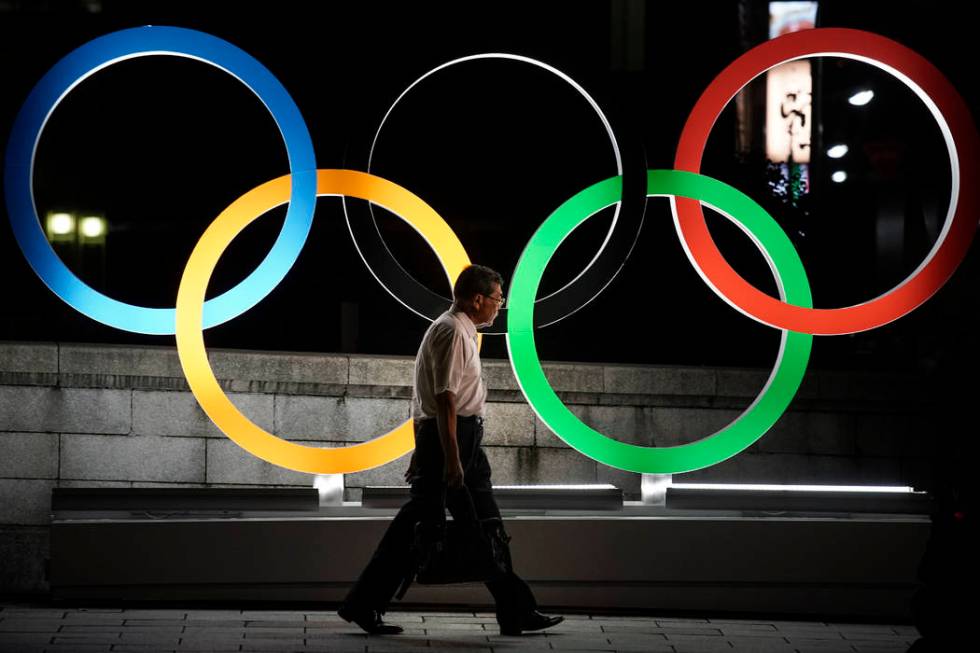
{"x":465,"y":320}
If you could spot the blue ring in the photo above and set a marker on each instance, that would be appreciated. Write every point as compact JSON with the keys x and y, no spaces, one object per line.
{"x":107,"y":50}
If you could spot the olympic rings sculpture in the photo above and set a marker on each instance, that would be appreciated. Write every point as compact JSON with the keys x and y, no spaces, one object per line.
{"x":615,"y":247}
{"x":793,"y":313}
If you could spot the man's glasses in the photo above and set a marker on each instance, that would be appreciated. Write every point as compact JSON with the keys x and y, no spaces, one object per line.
{"x":500,"y":300}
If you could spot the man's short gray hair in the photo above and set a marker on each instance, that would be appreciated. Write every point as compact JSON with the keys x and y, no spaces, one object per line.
{"x":476,"y":280}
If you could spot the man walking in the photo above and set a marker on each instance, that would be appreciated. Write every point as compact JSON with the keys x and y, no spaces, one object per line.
{"x":448,"y":398}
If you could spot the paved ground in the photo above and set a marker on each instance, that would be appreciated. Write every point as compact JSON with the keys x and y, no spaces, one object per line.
{"x":29,"y":627}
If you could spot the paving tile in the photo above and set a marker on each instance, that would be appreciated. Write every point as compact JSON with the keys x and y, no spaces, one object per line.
{"x":652,"y":647}
{"x":576,"y":626}
{"x":782,"y":623}
{"x":578,"y":642}
{"x":466,"y":631}
{"x":823,"y":646}
{"x":8,"y":640}
{"x":32,"y":613}
{"x":536,"y":642}
{"x":224,"y":631}
{"x":411,"y":639}
{"x":273,"y":644}
{"x":214,"y":638}
{"x":811,"y":633}
{"x":559,"y":633}
{"x":337,"y":647}
{"x":272,"y":632}
{"x":757,"y":630}
{"x":396,"y":643}
{"x":761,"y":644}
{"x":879,"y":646}
{"x":326,"y":628}
{"x":24,"y":625}
{"x":144,"y":622}
{"x":147,"y":614}
{"x":707,"y":640}
{"x":209,"y":615}
{"x":263,"y":615}
{"x":76,"y":636}
{"x":214,"y":623}
{"x":26,"y":648}
{"x":161,"y":640}
{"x":109,"y":638}
{"x":162,"y":631}
{"x":690,"y":647}
{"x":458,"y":644}
{"x":653,"y":629}
{"x":867,"y":636}
{"x":75,"y":618}
{"x":206,"y":645}
{"x":275,"y":623}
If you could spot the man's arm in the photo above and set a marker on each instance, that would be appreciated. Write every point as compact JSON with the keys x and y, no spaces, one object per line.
{"x":446,"y":422}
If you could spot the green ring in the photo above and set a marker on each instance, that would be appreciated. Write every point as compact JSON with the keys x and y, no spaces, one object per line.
{"x":794,"y":348}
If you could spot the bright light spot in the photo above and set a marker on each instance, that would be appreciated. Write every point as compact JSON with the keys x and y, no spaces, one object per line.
{"x":92,"y":226}
{"x":595,"y":486}
{"x":61,"y":223}
{"x":837,"y":151}
{"x":891,"y":489}
{"x":330,"y":488}
{"x":592,"y":486}
{"x":861,"y":98}
{"x":840,"y":176}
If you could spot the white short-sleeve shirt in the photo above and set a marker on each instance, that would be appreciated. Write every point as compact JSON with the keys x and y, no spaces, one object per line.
{"x":448,"y":359}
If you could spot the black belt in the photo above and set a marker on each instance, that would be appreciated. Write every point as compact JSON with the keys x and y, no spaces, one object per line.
{"x":466,"y":419}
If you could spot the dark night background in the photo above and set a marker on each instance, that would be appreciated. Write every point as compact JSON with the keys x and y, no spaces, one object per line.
{"x":161,"y":145}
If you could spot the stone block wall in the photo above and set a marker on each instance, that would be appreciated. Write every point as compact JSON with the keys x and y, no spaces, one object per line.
{"x":82,"y":415}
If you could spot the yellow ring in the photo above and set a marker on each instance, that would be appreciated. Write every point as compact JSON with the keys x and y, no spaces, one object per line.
{"x":190,"y":317}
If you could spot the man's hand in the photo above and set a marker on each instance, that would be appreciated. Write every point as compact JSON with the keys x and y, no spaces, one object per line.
{"x":410,"y":472}
{"x":454,"y":473}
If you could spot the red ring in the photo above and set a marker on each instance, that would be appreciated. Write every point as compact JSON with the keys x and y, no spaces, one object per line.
{"x":945,"y":256}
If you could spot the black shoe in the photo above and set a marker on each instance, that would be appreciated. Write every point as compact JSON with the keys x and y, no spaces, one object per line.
{"x":369,"y":620}
{"x":531,"y":622}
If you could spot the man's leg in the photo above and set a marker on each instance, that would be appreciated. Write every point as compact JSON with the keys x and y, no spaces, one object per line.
{"x":390,"y":563}
{"x":387,"y":568}
{"x":512,"y":595}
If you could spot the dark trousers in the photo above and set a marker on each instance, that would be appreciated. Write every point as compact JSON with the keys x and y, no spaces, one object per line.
{"x":383,"y":574}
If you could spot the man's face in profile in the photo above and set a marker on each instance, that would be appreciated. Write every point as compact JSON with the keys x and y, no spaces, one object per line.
{"x":489,"y":305}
